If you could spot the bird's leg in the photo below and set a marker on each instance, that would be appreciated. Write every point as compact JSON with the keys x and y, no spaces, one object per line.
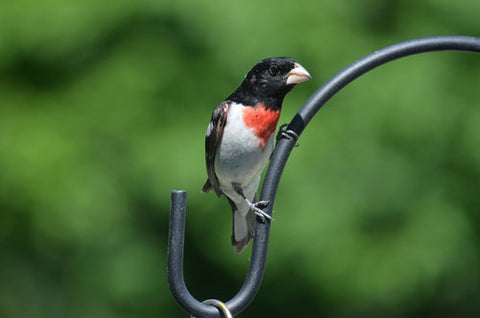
{"x":255,"y":207}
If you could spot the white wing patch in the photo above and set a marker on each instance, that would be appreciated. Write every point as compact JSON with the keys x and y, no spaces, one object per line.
{"x":209,"y":129}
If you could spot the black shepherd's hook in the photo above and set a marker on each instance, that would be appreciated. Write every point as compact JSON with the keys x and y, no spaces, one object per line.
{"x":279,"y":158}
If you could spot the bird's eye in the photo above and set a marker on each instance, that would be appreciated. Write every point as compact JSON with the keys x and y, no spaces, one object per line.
{"x":273,"y":70}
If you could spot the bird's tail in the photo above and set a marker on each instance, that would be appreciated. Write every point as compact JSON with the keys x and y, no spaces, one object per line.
{"x":243,"y":229}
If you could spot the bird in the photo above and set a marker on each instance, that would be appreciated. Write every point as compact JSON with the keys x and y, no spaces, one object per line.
{"x":240,"y":140}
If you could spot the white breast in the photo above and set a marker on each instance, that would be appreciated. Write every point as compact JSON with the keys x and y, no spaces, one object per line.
{"x":239,"y":157}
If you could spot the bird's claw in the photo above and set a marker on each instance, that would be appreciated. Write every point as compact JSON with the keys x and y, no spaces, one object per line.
{"x":263,"y":215}
{"x":283,"y":132}
{"x":262,"y":204}
{"x":257,"y":209}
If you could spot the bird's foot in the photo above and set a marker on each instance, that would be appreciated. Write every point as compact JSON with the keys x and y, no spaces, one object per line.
{"x":257,"y":209}
{"x":283,"y":132}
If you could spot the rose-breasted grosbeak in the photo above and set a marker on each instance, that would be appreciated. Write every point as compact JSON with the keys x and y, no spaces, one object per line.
{"x":240,"y":140}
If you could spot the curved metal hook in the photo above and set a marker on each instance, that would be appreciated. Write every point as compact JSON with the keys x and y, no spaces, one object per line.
{"x":277,"y":163}
{"x":175,"y":264}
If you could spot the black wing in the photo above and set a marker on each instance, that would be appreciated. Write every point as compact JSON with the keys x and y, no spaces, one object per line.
{"x":212,"y":140}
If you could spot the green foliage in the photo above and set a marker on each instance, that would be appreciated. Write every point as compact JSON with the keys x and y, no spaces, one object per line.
{"x":103,"y":109}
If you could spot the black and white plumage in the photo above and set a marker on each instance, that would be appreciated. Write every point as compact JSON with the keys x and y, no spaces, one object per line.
{"x":240,"y":140}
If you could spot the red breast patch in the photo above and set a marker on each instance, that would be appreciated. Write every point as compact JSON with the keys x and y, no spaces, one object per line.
{"x":262,"y":121}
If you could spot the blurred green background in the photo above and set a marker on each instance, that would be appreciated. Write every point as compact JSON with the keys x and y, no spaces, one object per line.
{"x":103,"y":110}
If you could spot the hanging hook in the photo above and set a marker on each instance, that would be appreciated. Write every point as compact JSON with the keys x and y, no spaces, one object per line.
{"x":277,"y":163}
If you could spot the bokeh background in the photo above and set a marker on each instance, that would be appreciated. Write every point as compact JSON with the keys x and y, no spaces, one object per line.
{"x":103,"y":110}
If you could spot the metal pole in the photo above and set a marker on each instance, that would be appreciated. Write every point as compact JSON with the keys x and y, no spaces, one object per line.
{"x":277,"y":163}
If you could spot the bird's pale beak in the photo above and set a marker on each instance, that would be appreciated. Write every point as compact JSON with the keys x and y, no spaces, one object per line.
{"x":298,"y":75}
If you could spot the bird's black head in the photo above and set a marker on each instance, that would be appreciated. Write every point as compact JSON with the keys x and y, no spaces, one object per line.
{"x":269,"y":81}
